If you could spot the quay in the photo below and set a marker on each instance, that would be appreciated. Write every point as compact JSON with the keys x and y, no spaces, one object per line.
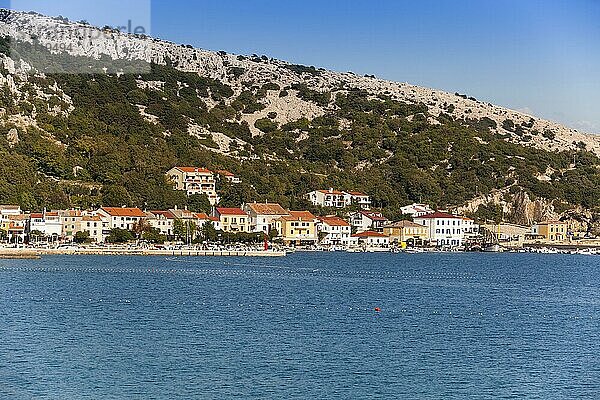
{"x":160,"y":252}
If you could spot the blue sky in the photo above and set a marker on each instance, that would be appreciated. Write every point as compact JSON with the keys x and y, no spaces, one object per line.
{"x":539,"y":56}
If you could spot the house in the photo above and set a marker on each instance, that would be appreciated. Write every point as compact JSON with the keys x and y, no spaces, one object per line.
{"x":335,"y":231}
{"x":96,"y":226}
{"x":404,"y":232}
{"x":372,"y":239}
{"x":416,"y":210}
{"x":229,"y":176}
{"x":298,"y":227}
{"x":193,"y":181}
{"x":327,"y":198}
{"x":70,"y":221}
{"x":164,"y":221}
{"x":234,"y":220}
{"x":264,"y":215}
{"x":48,"y":224}
{"x":362,"y":200}
{"x":445,"y":229}
{"x":337,"y":199}
{"x":552,"y":231}
{"x":6,"y":210}
{"x":122,"y":217}
{"x":216,"y":222}
{"x":364,"y":221}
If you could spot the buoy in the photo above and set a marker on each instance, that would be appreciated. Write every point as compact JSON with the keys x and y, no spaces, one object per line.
{"x":377,"y":309}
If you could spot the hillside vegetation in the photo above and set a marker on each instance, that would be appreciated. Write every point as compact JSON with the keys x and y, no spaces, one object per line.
{"x":92,"y":139}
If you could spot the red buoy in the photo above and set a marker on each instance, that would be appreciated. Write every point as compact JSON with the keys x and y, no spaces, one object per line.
{"x":377,"y":309}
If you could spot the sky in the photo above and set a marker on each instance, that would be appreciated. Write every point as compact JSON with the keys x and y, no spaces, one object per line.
{"x":537,"y":56}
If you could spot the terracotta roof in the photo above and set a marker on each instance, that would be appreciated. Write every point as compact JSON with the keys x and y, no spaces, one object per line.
{"x":214,"y":219}
{"x":224,"y":172}
{"x":334,"y":221}
{"x":37,"y":215}
{"x":192,"y":170}
{"x":404,"y":224}
{"x":439,"y":214}
{"x":358,"y":194}
{"x":19,"y":217}
{"x":166,"y":214}
{"x":9,"y":207}
{"x":202,"y":216}
{"x":231,"y":211}
{"x":299,"y":216}
{"x":123,"y":212}
{"x":267,"y":208}
{"x":92,"y":218}
{"x":336,"y":192}
{"x":374,"y":216}
{"x":369,"y":234}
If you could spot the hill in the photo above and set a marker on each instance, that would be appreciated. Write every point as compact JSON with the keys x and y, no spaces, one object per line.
{"x":108,"y":136}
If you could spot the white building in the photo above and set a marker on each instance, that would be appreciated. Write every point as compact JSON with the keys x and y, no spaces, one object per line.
{"x":417,"y":210}
{"x":96,"y":226}
{"x":49,"y":224}
{"x":366,"y":221}
{"x":336,"y":230}
{"x":264,"y":215}
{"x":164,"y":221}
{"x":337,"y":199}
{"x":372,"y":239}
{"x":122,"y":217}
{"x":446,"y":230}
{"x":194,"y":180}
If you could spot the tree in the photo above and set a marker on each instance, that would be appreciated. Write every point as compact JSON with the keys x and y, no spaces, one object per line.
{"x":199,"y":203}
{"x":82,"y":237}
{"x":154,"y":235}
{"x":141,"y":227}
{"x":118,"y":235}
{"x":209,"y":232}
{"x":184,"y":230}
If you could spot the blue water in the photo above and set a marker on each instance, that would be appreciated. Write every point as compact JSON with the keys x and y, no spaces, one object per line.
{"x":451,"y":326}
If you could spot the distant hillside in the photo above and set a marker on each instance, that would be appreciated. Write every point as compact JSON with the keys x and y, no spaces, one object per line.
{"x":108,"y":138}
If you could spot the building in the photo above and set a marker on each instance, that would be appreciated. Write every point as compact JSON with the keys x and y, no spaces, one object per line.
{"x":234,"y":220}
{"x":96,"y":226}
{"x":552,"y":231}
{"x":122,"y":217}
{"x":228,"y":176}
{"x":264,"y":215}
{"x":416,"y":210}
{"x":445,"y":230}
{"x":359,"y":199}
{"x":327,"y":198}
{"x":6,"y":210}
{"x":372,"y":239}
{"x":337,"y":199}
{"x":48,"y":224}
{"x":364,"y":221}
{"x":334,"y":231}
{"x":14,"y":225}
{"x":298,"y":227}
{"x":164,"y":221}
{"x":406,"y":232}
{"x":71,"y":221}
{"x":193,"y":181}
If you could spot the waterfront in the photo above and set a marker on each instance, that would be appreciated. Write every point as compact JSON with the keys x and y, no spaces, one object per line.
{"x":304,"y":326}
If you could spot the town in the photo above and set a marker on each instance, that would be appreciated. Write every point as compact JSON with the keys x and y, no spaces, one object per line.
{"x":353,"y":227}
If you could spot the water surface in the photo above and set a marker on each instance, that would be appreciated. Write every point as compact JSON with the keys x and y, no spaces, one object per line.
{"x":451,"y":326}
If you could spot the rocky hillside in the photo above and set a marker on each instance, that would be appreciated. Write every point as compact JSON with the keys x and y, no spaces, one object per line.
{"x":284,"y":128}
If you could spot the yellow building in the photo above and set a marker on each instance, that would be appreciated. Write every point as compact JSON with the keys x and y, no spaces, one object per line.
{"x":234,"y":220}
{"x":299,"y":227}
{"x":403,"y":231}
{"x":553,"y":231}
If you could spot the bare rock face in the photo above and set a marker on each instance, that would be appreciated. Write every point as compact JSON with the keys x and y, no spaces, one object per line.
{"x":87,"y":41}
{"x":12,"y":137}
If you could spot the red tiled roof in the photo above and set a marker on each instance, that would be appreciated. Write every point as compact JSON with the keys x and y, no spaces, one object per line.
{"x":166,"y":214}
{"x":214,"y":219}
{"x":124,"y":212}
{"x":192,"y":170}
{"x":224,"y":172}
{"x":334,"y":221}
{"x":404,"y":224}
{"x":231,"y":211}
{"x":358,"y":194}
{"x":439,"y":214}
{"x":374,"y":216}
{"x":37,"y":215}
{"x":202,"y":216}
{"x":299,"y":216}
{"x":368,"y":234}
{"x":267,"y":209}
{"x":336,"y":192}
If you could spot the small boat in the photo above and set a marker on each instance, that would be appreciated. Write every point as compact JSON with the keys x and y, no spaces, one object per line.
{"x":495,"y":248}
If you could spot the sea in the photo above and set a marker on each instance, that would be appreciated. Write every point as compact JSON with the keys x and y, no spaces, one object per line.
{"x":308,"y":326}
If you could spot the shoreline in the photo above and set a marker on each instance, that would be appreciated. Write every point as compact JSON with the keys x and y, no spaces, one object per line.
{"x":27,"y":253}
